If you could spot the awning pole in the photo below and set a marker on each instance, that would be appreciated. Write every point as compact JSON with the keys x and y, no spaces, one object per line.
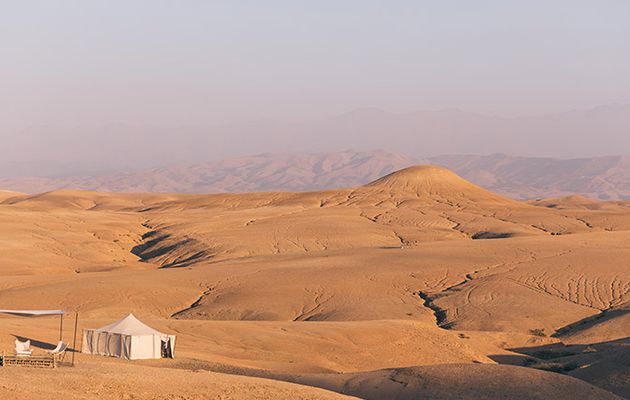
{"x":60,"y":327}
{"x":74,"y":338}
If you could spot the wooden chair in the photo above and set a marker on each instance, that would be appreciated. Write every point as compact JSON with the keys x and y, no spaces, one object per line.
{"x":59,"y":352}
{"x":23,"y":349}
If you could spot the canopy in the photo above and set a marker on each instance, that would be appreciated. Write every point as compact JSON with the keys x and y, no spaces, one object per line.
{"x":41,"y":313}
{"x":130,"y":339}
{"x":32,"y":313}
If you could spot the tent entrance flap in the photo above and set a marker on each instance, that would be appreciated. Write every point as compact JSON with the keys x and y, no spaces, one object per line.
{"x":167,"y":346}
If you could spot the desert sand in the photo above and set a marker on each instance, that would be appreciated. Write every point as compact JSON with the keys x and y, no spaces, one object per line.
{"x":417,"y":285}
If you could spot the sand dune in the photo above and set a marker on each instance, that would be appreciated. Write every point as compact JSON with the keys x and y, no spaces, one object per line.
{"x":94,"y":380}
{"x":419,"y":270}
{"x":7,"y":194}
{"x":471,"y":381}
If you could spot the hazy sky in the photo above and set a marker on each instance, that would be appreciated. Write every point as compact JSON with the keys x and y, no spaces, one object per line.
{"x":87,"y":63}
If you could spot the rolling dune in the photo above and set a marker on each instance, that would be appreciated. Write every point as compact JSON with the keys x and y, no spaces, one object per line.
{"x":417,"y":284}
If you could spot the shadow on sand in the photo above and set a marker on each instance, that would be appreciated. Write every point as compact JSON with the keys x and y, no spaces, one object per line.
{"x":36,"y":343}
{"x":604,"y":364}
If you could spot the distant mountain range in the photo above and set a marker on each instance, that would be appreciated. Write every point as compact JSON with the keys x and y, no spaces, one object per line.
{"x":604,"y":178}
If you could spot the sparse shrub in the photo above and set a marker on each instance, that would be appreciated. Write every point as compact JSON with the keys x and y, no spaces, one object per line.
{"x":551,"y":354}
{"x":528,"y":362}
{"x":538,"y":332}
{"x":557,"y":367}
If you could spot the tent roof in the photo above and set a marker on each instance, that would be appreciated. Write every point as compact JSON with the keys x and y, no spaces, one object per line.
{"x":130,"y":325}
{"x":32,"y":313}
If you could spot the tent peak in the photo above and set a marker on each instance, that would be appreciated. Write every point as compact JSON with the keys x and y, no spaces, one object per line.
{"x":129,"y":325}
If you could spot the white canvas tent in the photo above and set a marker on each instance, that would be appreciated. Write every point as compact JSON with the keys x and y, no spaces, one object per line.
{"x":129,"y":339}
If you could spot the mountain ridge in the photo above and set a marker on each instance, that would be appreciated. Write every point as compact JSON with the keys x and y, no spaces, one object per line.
{"x":602,"y":178}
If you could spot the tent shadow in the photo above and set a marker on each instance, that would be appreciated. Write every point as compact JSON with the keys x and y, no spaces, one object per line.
{"x":36,"y":343}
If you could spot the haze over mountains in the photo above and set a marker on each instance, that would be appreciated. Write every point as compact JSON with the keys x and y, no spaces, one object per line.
{"x":48,"y":150}
{"x":321,"y":200}
{"x":604,"y":178}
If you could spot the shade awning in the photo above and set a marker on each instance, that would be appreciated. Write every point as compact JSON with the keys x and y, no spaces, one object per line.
{"x":32,"y":313}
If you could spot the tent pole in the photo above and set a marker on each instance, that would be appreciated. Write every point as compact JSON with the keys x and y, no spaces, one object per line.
{"x":74,"y":338}
{"x":60,"y":327}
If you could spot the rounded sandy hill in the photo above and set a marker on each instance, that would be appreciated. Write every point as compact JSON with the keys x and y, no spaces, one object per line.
{"x":575,"y":201}
{"x":7,"y":194}
{"x":433,"y":182}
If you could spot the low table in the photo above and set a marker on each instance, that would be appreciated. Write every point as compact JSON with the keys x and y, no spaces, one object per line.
{"x":28,"y":361}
